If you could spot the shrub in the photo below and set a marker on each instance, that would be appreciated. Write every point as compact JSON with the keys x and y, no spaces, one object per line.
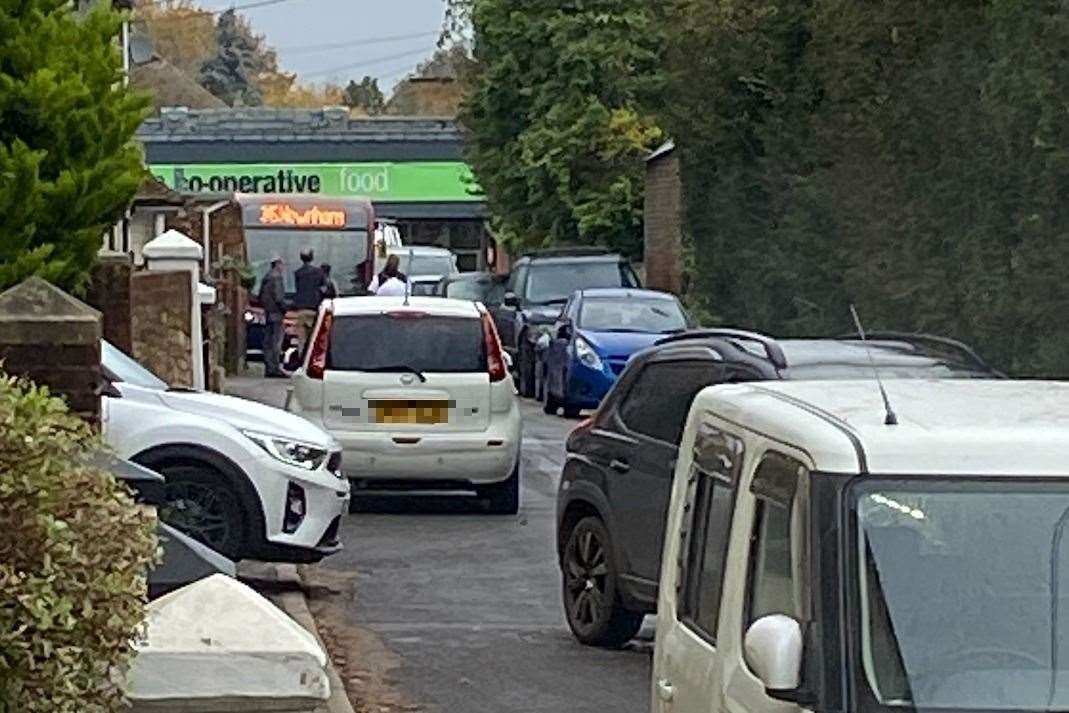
{"x":74,"y":551}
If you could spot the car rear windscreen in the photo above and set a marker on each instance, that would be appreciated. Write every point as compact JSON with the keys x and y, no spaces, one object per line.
{"x":384,"y":342}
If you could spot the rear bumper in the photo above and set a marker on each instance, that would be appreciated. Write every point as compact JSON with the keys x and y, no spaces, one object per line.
{"x":480,"y":458}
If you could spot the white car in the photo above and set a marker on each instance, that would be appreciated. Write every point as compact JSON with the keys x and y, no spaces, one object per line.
{"x":417,"y":393}
{"x":248,"y":480}
{"x":425,"y":266}
{"x":825,"y":552}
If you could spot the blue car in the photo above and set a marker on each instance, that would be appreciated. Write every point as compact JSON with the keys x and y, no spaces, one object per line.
{"x":597,"y":332}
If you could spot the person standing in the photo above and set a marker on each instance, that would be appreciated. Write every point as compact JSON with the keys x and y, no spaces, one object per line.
{"x":391,"y":281}
{"x":310,"y":282}
{"x":330,"y":287}
{"x":273,"y":301}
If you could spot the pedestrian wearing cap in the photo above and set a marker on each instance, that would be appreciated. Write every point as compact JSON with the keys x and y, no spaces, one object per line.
{"x":273,"y":301}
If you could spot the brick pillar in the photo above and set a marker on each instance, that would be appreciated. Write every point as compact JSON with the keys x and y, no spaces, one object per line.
{"x":54,"y":340}
{"x":109,"y":293}
{"x":663,"y":238}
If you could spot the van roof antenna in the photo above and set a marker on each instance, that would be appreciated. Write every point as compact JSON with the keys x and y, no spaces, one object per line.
{"x":408,"y":278}
{"x":891,"y":419}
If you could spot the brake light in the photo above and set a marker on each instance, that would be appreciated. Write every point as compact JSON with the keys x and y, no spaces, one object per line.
{"x":317,"y":359}
{"x":405,"y":314}
{"x":495,"y":360}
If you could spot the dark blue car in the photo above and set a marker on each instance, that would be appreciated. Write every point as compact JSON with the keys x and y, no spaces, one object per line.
{"x":597,"y":332}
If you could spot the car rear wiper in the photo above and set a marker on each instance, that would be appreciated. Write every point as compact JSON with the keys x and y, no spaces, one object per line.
{"x":399,"y":368}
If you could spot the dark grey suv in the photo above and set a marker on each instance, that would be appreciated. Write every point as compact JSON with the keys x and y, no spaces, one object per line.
{"x":614,"y":490}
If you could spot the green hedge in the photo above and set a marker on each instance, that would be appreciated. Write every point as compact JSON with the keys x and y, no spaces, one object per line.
{"x":909,"y":157}
{"x":74,"y":551}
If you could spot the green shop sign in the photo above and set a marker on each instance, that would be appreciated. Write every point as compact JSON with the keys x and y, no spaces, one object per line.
{"x":439,"y":181}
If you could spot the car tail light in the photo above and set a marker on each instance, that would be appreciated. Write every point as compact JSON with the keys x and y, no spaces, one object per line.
{"x":405,"y":314}
{"x":317,"y":359}
{"x":495,"y":360}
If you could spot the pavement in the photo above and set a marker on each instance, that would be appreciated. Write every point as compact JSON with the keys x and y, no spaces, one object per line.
{"x":435,"y":605}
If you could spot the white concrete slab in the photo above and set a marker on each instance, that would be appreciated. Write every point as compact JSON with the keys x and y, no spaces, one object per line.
{"x":216,"y":646}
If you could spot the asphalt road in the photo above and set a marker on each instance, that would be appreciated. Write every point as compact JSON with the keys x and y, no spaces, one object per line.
{"x":436,"y":606}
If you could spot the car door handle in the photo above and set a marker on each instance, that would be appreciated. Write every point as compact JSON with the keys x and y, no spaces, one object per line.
{"x":665,"y":691}
{"x":620,"y":466}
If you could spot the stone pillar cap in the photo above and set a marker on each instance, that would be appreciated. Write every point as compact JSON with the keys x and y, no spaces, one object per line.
{"x":172,"y":245}
{"x":218,"y":640}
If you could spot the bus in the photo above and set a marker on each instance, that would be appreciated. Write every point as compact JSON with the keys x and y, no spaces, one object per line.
{"x":340,"y":232}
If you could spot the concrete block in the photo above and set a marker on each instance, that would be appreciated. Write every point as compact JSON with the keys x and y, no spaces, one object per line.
{"x":216,"y":646}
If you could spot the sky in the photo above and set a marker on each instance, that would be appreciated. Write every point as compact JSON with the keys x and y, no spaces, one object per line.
{"x":324,"y":40}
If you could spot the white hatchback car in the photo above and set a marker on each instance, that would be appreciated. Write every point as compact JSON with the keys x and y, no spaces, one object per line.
{"x":417,"y":393}
{"x":822,"y":555}
{"x":248,"y":480}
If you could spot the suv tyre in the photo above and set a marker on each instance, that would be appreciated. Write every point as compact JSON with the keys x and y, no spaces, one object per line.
{"x":504,"y":497}
{"x":526,"y":369}
{"x":589,"y":582}
{"x":200,"y":502}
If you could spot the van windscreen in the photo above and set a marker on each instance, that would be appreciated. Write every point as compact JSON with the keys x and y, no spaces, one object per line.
{"x":424,"y":343}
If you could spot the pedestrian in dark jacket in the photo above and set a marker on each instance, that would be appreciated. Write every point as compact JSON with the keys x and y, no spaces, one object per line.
{"x":330,"y":287}
{"x":310,"y":282}
{"x":273,"y":301}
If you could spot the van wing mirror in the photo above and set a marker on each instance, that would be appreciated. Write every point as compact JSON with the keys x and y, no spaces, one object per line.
{"x":511,"y":300}
{"x":564,"y":331}
{"x":773,"y":646}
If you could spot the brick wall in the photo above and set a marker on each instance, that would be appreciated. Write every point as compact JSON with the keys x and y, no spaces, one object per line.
{"x":227,"y":236}
{"x":663,"y":237}
{"x":162,"y":306}
{"x":109,"y":293}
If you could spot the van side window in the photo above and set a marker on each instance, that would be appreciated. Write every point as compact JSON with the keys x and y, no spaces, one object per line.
{"x":772,"y":586}
{"x":711,"y":500}
{"x":660,"y":398}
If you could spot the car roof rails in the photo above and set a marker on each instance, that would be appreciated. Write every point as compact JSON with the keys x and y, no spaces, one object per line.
{"x":773,"y":351}
{"x":573,"y":251}
{"x":920,"y":339}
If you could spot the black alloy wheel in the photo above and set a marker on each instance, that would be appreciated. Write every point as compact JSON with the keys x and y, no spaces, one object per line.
{"x":201,"y":504}
{"x":591,"y":604}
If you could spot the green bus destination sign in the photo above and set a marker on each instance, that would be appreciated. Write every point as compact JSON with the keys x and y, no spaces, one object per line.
{"x":436,"y":182}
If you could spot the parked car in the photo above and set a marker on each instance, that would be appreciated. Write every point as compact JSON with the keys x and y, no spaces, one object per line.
{"x":418,"y":394}
{"x":538,"y":286}
{"x":425,"y":266}
{"x":596,"y":333}
{"x":616,"y":480}
{"x":248,"y":480}
{"x":485,"y":287}
{"x":818,"y":558}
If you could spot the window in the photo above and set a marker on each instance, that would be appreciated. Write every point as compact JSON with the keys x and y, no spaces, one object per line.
{"x":772,"y":588}
{"x":428,"y":344}
{"x":658,"y":402}
{"x":718,"y":458}
{"x":600,"y":314}
{"x":555,"y":282}
{"x":344,"y":251}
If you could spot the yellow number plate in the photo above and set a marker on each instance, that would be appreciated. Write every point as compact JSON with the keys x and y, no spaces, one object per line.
{"x":411,"y":412}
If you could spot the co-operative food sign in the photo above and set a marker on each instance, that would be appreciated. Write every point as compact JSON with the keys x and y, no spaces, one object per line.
{"x":434,"y":181}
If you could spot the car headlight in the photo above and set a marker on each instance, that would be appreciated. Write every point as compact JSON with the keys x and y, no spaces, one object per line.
{"x":587,"y":355}
{"x":290,"y":452}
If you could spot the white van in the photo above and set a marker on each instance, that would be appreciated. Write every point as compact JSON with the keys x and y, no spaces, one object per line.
{"x":816,"y":557}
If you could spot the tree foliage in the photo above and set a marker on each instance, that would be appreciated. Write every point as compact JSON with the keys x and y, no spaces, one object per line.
{"x":364,"y":96}
{"x":180,"y":31}
{"x":907,"y":157}
{"x":73,"y":601}
{"x":242,"y":58}
{"x":557,"y":128}
{"x":438,"y":86}
{"x":68,"y":167}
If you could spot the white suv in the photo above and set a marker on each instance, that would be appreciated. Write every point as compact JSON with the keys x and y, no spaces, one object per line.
{"x":824,"y":553}
{"x":248,"y":480}
{"x":417,"y":393}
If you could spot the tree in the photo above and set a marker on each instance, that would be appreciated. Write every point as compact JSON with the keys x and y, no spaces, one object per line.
{"x":557,"y":128}
{"x":67,"y":159}
{"x":242,"y":59}
{"x":181,"y":33}
{"x":438,"y":87}
{"x":365,"y":96}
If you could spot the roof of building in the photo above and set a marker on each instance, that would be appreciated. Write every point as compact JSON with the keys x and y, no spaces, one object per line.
{"x":264,"y":135}
{"x":170,"y":86}
{"x":437,"y":306}
{"x":945,"y":427}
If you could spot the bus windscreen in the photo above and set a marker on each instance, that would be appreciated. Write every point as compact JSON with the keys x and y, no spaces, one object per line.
{"x":343,"y":250}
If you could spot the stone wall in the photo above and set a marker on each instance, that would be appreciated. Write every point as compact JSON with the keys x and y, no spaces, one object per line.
{"x":160,"y":325}
{"x":663,"y":238}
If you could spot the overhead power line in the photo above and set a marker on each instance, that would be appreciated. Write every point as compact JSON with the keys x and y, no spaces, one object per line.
{"x":364,"y":63}
{"x":312,"y":49}
{"x":196,"y":13}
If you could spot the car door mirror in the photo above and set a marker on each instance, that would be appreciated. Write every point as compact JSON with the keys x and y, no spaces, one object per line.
{"x":565,"y":331}
{"x":511,"y":300}
{"x":773,"y":646}
{"x":508,"y":360}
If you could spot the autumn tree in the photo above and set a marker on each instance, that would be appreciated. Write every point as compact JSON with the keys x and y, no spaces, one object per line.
{"x":241,"y":60}
{"x":180,"y":31}
{"x":68,"y":163}
{"x":364,"y":96}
